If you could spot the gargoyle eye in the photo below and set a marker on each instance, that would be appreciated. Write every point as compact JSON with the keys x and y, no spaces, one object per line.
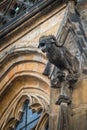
{"x":42,"y":44}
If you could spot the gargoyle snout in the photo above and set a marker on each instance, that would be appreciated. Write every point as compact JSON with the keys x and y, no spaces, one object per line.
{"x":38,"y":46}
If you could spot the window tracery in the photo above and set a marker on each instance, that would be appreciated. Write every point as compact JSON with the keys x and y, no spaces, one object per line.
{"x":28,"y":119}
{"x":14,"y":8}
{"x":29,"y":113}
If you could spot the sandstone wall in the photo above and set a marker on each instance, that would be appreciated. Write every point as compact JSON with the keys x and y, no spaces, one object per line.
{"x":22,"y":65}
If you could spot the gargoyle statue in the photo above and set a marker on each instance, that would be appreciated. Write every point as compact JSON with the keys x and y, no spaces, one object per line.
{"x":59,"y":56}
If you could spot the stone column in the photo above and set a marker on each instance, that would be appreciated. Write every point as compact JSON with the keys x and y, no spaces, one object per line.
{"x":54,"y":109}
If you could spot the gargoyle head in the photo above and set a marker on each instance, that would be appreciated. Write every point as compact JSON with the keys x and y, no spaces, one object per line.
{"x":45,"y":41}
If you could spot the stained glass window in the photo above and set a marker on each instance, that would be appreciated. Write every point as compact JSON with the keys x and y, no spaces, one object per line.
{"x":28,"y":119}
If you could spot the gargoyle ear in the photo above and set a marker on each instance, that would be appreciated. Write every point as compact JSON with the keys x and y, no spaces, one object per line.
{"x":52,"y":40}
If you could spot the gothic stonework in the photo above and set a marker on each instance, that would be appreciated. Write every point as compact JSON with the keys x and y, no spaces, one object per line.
{"x":72,"y":35}
{"x":24,"y":89}
{"x":22,"y":63}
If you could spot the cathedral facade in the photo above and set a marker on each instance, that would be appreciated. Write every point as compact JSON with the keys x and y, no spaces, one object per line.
{"x":30,"y":100}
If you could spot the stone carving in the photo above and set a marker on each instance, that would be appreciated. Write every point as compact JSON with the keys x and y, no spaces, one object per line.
{"x":65,"y":64}
{"x":63,"y":70}
{"x":67,"y":60}
{"x":59,"y":56}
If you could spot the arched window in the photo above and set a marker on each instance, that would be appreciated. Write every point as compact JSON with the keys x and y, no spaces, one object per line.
{"x":28,"y":119}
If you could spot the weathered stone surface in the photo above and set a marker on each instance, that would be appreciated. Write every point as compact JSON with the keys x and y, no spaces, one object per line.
{"x":22,"y":65}
{"x":21,"y":68}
